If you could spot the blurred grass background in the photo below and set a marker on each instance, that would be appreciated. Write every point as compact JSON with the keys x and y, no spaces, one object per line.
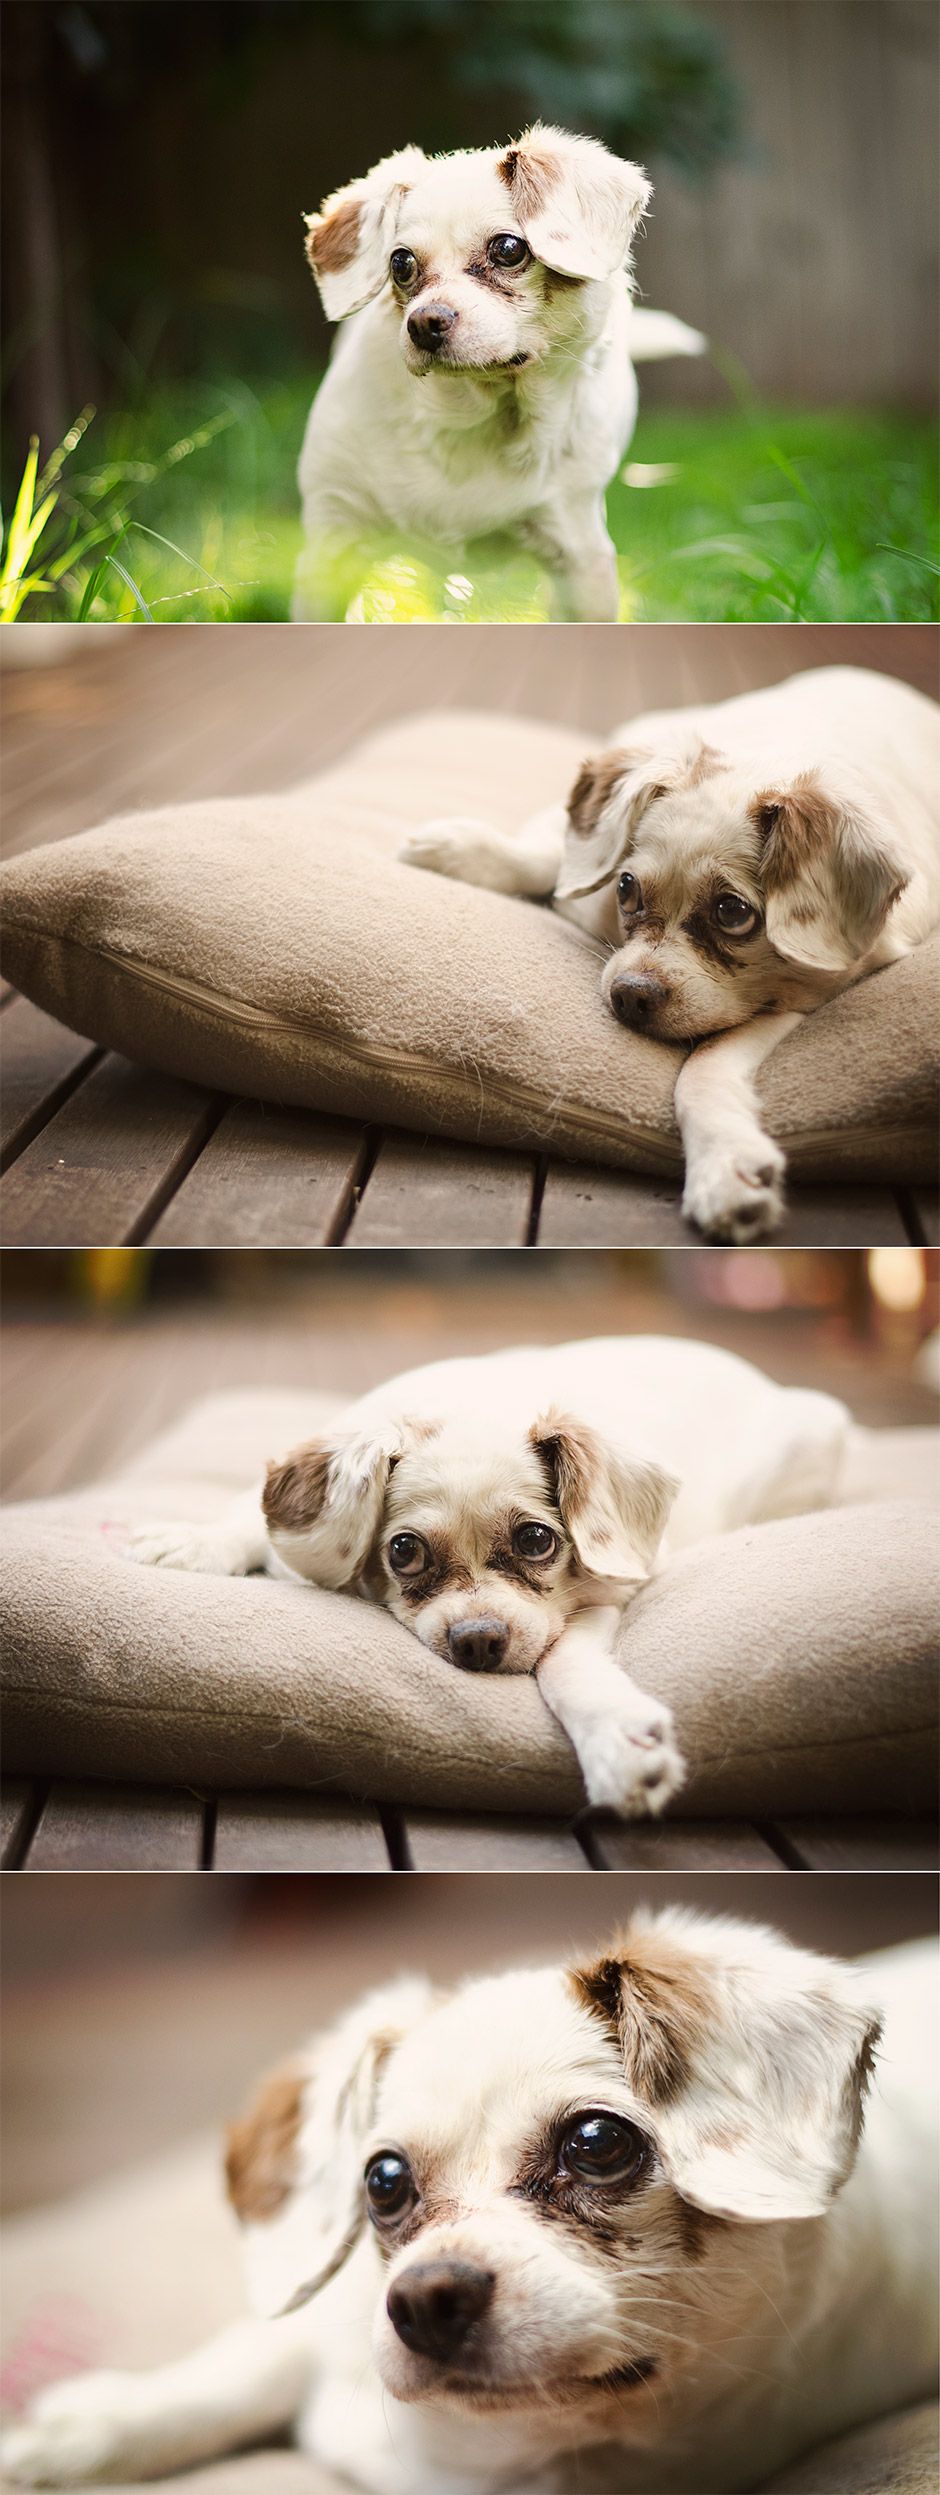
{"x":163,"y":337}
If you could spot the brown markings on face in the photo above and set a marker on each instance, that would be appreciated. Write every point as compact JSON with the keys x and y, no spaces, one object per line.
{"x":259,"y":2157}
{"x":707,"y":941}
{"x":593,"y":788}
{"x":509,"y":1563}
{"x":295,"y":1491}
{"x":500,"y":280}
{"x":531,"y":173}
{"x":445,"y":1569}
{"x":658,"y":2004}
{"x":333,"y":241}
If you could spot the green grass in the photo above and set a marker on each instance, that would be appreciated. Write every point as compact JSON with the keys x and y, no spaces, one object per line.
{"x":749,"y":516}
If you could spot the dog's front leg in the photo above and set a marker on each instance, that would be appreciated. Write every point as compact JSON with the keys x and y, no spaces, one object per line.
{"x":624,"y":1740}
{"x":249,"y":2383}
{"x":232,"y":1548}
{"x":573,"y":538}
{"x":469,"y":852}
{"x":733,"y":1171}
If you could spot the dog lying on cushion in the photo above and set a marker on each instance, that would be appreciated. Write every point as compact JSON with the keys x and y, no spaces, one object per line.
{"x":633,"y":2213}
{"x":507,"y":1508}
{"x":484,"y":377}
{"x":741,"y":863}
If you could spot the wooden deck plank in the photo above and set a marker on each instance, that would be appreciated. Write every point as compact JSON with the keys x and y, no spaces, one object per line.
{"x":100,"y":1827}
{"x":926,"y":1209}
{"x":425,"y":1193}
{"x":586,"y":1207}
{"x":41,"y":1063}
{"x":678,"y":1845}
{"x":485,"y":1841}
{"x":267,"y":1177}
{"x":296,"y":1832}
{"x":104,"y":1166}
{"x":885,"y":1842}
{"x":16,"y":1809}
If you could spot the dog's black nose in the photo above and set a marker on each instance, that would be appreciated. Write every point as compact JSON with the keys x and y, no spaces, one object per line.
{"x":634,"y":999}
{"x":429,"y":328}
{"x":433,"y":2307}
{"x":478,"y":1645}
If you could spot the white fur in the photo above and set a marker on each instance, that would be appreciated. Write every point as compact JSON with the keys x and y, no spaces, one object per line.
{"x":448,"y":1453}
{"x":522,"y":417}
{"x":808,"y":2309}
{"x":870,"y":747}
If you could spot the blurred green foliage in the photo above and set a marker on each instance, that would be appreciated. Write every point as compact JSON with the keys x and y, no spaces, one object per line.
{"x":751,"y":516}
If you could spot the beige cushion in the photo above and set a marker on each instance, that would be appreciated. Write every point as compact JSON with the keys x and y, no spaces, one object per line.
{"x":274,"y":946}
{"x":799,"y":1656}
{"x":106,"y":2266}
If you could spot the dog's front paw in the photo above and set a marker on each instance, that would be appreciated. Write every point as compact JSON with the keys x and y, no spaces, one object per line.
{"x":737,"y":1195}
{"x":205,"y":1553}
{"x":468,"y":851}
{"x":76,"y":2431}
{"x":630,"y":1762}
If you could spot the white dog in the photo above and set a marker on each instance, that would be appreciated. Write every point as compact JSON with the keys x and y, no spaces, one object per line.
{"x":484,"y":378}
{"x":506,"y":1509}
{"x":627,"y":2225}
{"x":741,"y":863}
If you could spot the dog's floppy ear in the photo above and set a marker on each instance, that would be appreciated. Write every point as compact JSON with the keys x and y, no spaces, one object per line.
{"x":349,"y":241}
{"x":609,"y":796}
{"x":328,"y":1496}
{"x":828,"y":872}
{"x":613,"y":1505}
{"x":751,"y":2058}
{"x":575,"y":204}
{"x":294,"y":2162}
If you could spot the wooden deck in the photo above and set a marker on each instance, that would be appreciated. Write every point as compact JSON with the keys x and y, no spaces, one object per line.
{"x":82,"y":1395}
{"x":97,"y":1151}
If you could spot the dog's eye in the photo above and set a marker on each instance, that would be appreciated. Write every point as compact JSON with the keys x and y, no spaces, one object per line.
{"x":535,"y":1542}
{"x":390,"y":2187}
{"x":734,"y":914}
{"x":508,"y":251}
{"x":404,"y":267}
{"x":408,"y":1555}
{"x":628,"y":893}
{"x":603,"y":2149}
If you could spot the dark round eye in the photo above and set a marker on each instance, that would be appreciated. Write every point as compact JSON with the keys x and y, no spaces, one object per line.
{"x":390,"y":2187}
{"x":734,"y":914}
{"x":535,"y":1542}
{"x":407,"y":1554}
{"x":508,"y":251}
{"x":603,"y":2149}
{"x":404,"y":267}
{"x":628,"y":893}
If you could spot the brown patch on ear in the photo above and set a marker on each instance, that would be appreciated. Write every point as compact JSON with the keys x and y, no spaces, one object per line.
{"x":421,"y":1429}
{"x":259,"y":2155}
{"x":333,"y":240}
{"x":294,"y":1493}
{"x":531,"y":174}
{"x":704,"y":766}
{"x":792,"y":825}
{"x":594,"y":786}
{"x":569,"y":1449}
{"x":657,"y":2002}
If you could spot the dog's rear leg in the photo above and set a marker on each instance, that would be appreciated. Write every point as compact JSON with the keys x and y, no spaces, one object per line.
{"x":469,"y":852}
{"x":733,"y":1171}
{"x":623,"y":1740}
{"x":574,"y":540}
{"x":248,"y":2383}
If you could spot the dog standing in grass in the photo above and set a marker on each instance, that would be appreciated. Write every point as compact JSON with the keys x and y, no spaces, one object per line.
{"x":483,"y":379}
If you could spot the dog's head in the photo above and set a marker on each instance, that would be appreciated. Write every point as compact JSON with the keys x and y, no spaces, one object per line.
{"x":481,"y":1537}
{"x":729,"y":891}
{"x":582,"y":2186}
{"x":490,"y":255}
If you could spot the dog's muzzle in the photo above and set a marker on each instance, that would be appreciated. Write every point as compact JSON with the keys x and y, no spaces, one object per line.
{"x":635,"y":999}
{"x":478,"y":1645}
{"x":429,"y":329}
{"x":434,"y":2306}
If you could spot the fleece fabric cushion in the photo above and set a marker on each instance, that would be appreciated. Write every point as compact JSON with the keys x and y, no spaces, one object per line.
{"x":799,"y":1656}
{"x":275,"y":946}
{"x":99,"y":2280}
